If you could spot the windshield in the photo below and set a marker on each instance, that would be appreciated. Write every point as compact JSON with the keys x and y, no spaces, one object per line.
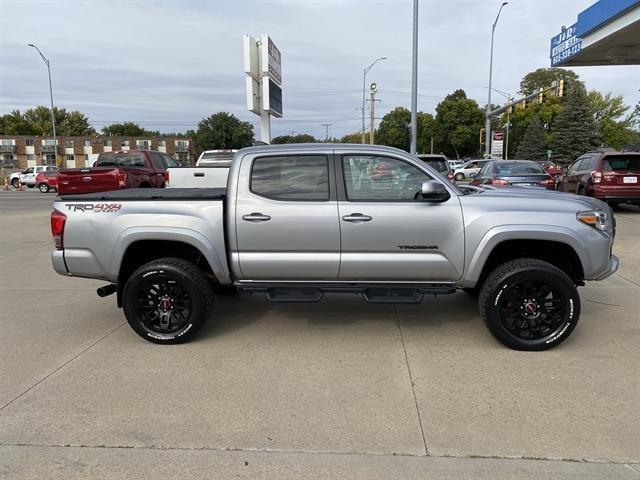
{"x":518,"y":168}
{"x":216,"y":159}
{"x":121,"y":160}
{"x":622,"y":163}
{"x":438,"y":163}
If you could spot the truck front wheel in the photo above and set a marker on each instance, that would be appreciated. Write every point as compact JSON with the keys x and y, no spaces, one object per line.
{"x":167,"y":300}
{"x":529,"y":304}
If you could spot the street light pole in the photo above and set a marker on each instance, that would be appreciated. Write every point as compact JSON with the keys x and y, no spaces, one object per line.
{"x":487,"y":129}
{"x":53,"y":118}
{"x":364,"y":81}
{"x":414,"y":82}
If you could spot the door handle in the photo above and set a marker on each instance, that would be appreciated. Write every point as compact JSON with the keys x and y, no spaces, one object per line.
{"x":256,"y":217}
{"x":357,"y":217}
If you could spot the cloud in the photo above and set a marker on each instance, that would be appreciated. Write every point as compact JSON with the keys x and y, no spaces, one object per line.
{"x":167,"y":64}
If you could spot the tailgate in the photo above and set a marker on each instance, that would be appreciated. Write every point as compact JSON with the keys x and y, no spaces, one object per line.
{"x":198,"y":177}
{"x":89,"y":180}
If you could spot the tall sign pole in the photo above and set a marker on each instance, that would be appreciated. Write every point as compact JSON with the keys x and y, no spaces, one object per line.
{"x":263,"y":67}
{"x":414,"y":82}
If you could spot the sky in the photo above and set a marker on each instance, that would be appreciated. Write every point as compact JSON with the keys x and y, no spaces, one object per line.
{"x":167,"y":64}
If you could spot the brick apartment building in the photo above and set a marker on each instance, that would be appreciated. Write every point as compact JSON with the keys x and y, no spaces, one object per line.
{"x":22,"y":151}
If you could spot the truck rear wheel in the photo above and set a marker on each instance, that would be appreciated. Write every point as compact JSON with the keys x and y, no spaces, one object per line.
{"x":167,"y":300}
{"x":529,"y":304}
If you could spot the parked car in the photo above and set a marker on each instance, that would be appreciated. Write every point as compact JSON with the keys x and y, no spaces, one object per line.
{"x":610,"y":176}
{"x":468,"y":170}
{"x":519,"y":173}
{"x":299,"y":221}
{"x":439,"y":163}
{"x":48,"y":180}
{"x":117,"y":170}
{"x":28,"y":175}
{"x":551,"y":168}
{"x":455,"y":163}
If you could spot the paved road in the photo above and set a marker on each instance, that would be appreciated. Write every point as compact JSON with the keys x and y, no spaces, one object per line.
{"x":341,"y":389}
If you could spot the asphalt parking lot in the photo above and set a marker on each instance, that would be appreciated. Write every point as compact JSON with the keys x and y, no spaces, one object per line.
{"x":340,"y":389}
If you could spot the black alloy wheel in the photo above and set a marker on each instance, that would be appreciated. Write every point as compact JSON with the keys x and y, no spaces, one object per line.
{"x":167,"y":300}
{"x":529,"y":304}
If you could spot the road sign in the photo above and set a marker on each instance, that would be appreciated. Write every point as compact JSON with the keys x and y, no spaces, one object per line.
{"x":497,"y":144}
{"x":565,"y":45}
{"x":271,"y":60}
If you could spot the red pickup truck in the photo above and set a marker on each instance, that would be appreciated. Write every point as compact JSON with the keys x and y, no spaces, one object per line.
{"x":117,"y":170}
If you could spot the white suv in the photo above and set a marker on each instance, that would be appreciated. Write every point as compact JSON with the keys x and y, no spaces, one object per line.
{"x":28,"y":175}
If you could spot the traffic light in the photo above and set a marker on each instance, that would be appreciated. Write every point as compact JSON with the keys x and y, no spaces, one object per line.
{"x":560,"y":87}
{"x":482,"y":136}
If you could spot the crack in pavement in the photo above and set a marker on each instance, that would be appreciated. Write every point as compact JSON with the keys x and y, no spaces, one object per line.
{"x":62,"y":366}
{"x":633,"y":465}
{"x":413,"y":391}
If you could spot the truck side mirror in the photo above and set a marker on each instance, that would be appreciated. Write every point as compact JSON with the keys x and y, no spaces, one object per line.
{"x":433,"y":191}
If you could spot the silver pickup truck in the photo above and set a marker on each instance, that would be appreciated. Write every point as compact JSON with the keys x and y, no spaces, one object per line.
{"x":298,"y":221}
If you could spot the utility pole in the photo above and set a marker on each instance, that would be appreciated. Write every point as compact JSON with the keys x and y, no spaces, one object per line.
{"x":372,"y":124}
{"x":432,"y":144}
{"x":326,"y":134}
{"x":364,"y":79}
{"x":414,"y":81}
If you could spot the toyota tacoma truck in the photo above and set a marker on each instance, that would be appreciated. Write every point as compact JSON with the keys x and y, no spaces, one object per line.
{"x":298,"y":221}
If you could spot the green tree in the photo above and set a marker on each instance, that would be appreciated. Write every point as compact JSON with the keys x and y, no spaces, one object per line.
{"x":575,"y":129}
{"x":426,"y":130}
{"x":127,"y":129}
{"x":352,"y":138}
{"x":533,"y":145}
{"x":67,"y":123}
{"x":543,"y":77}
{"x":223,"y":130}
{"x":457,"y":125}
{"x":395,"y":129}
{"x":14,"y":123}
{"x":299,"y":138}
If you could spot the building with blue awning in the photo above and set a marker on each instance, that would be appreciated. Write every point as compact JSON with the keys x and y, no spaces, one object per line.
{"x":606,"y":33}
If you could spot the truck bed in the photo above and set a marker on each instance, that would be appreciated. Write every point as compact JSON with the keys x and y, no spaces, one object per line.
{"x":145,"y":194}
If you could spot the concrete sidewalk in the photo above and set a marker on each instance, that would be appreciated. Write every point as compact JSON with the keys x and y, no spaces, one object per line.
{"x":340,"y":389}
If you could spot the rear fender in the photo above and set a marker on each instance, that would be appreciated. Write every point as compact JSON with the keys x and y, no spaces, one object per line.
{"x":216,"y":257}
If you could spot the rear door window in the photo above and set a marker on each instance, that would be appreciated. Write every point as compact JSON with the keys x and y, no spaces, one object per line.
{"x":156,"y":159}
{"x":168,"y":159}
{"x":295,"y":177}
{"x":622,"y":163}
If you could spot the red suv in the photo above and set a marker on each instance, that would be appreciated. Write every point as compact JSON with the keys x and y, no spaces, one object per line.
{"x":606,"y":175}
{"x":48,"y":180}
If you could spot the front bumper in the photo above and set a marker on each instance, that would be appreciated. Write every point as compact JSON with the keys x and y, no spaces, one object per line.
{"x":613,"y":267}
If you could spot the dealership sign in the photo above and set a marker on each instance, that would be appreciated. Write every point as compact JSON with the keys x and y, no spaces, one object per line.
{"x":271,"y":60}
{"x":565,"y":45}
{"x":263,"y":67}
{"x":497,"y":143}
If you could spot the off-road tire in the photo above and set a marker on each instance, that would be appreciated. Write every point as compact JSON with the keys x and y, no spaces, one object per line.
{"x":510,"y":276}
{"x":188,"y":279}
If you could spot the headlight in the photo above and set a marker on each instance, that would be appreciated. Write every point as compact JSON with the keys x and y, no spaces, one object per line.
{"x":596,"y":219}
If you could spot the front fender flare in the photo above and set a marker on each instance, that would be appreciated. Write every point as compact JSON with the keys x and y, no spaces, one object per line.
{"x":479,"y":253}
